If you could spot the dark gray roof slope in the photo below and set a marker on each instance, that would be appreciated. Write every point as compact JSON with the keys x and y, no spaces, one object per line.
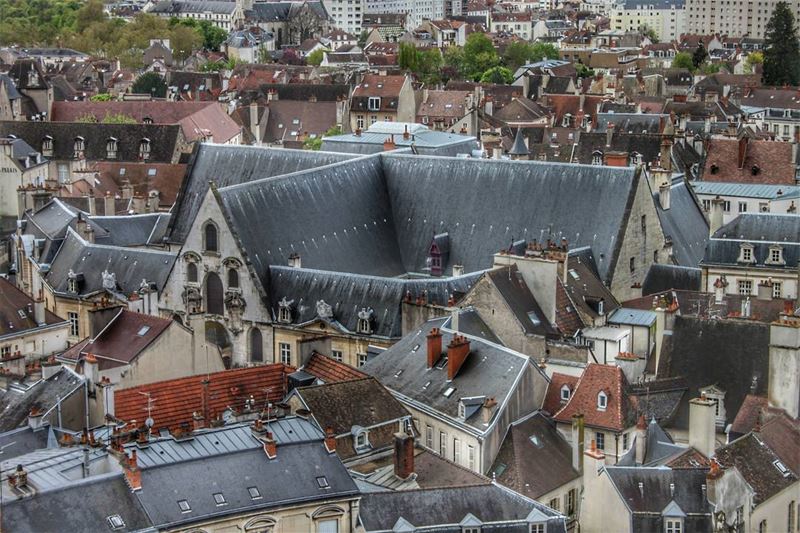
{"x":348,"y":293}
{"x":17,"y":402}
{"x":25,"y":440}
{"x":761,"y":230}
{"x":229,"y":165}
{"x":485,"y":205}
{"x":82,"y":508}
{"x":648,"y":503}
{"x":133,"y":230}
{"x":129,"y":265}
{"x":631,"y":122}
{"x":290,"y":478}
{"x":521,"y":301}
{"x":732,"y":354}
{"x":165,"y":140}
{"x":661,"y":277}
{"x":683,"y":223}
{"x":447,"y":507}
{"x":489,"y":371}
{"x":336,"y":217}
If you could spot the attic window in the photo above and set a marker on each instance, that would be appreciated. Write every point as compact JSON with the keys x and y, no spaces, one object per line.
{"x":72,"y":285}
{"x":781,"y":468}
{"x":151,"y":172}
{"x":322,"y":482}
{"x":755,"y":170}
{"x":565,"y":393}
{"x":47,"y":145}
{"x":79,"y":145}
{"x":147,"y":120}
{"x":714,"y":168}
{"x":254,"y":493}
{"x":184,"y":506}
{"x":115,"y":522}
{"x":143,"y":331}
{"x":775,"y":255}
{"x":602,"y":401}
{"x":111,"y":148}
{"x":21,"y":314}
{"x":144,"y":149}
{"x":374,"y":103}
{"x":462,"y":411}
{"x":219,"y":499}
{"x":597,"y":157}
{"x":449,"y":392}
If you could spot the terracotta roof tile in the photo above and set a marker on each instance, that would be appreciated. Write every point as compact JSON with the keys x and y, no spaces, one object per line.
{"x":330,"y":370}
{"x":764,"y":161}
{"x":583,"y":400}
{"x":175,"y":401}
{"x":552,"y":400}
{"x":567,"y":318}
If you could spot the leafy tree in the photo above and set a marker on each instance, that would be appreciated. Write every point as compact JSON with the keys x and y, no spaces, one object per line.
{"x":500,"y":75}
{"x":649,"y":32}
{"x":87,"y":118}
{"x":263,"y":55}
{"x":213,"y":36}
{"x":316,"y":143}
{"x":753,"y":59}
{"x":542,"y":51}
{"x":362,"y":38}
{"x":583,"y":71}
{"x":683,"y":60}
{"x":454,"y":62}
{"x":184,"y":40}
{"x":150,"y":83}
{"x":710,"y":68}
{"x":699,"y":56}
{"x":407,"y":56}
{"x":520,"y":53}
{"x":315,"y":57}
{"x":479,"y":56}
{"x":118,"y":118}
{"x":782,"y":50}
{"x":429,"y":66}
{"x":104,"y":97}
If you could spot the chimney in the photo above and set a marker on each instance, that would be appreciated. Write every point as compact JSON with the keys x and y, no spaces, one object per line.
{"x":577,"y":442}
{"x":488,"y":105}
{"x":486,"y":409}
{"x":593,"y":461}
{"x":35,"y":418}
{"x":388,"y":144}
{"x":702,"y":425}
{"x":84,"y":229}
{"x":199,"y":421}
{"x":294,"y":260}
{"x":765,"y":290}
{"x":39,"y":312}
{"x":109,"y":205}
{"x":127,"y":190}
{"x":254,"y":129}
{"x":406,"y":135}
{"x":784,"y":361}
{"x":153,"y":201}
{"x":50,"y":367}
{"x":663,"y":195}
{"x":130,"y":467}
{"x":91,"y":203}
{"x":454,"y":313}
{"x":609,"y":133}
{"x":270,"y":446}
{"x":457,"y":352}
{"x":330,"y":440}
{"x":403,"y":455}
{"x":665,"y":156}
{"x":458,"y":270}
{"x":742,"y":151}
{"x":434,"y":346}
{"x":641,"y":437}
{"x":91,"y":371}
{"x":715,"y":215}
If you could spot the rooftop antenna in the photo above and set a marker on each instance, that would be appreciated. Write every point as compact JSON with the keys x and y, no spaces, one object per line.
{"x":149,"y":422}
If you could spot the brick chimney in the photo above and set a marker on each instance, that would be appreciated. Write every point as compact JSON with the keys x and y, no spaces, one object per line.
{"x":593,"y":461}
{"x":403,"y":455}
{"x":434,"y":346}
{"x":609,"y":133}
{"x":84,"y":229}
{"x":270,"y":446}
{"x":742,"y":151}
{"x":406,"y":135}
{"x":388,"y":144}
{"x":616,"y":159}
{"x":130,"y":467}
{"x":457,"y":352}
{"x":330,"y":440}
{"x":35,"y":418}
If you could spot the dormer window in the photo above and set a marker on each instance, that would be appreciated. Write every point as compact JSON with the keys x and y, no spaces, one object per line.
{"x":776,"y":255}
{"x":716,"y":395}
{"x":144,"y":149}
{"x":746,"y":254}
{"x":47,"y":146}
{"x":78,"y":147}
{"x":111,"y":148}
{"x":147,"y":120}
{"x":597,"y":157}
{"x":462,"y":410}
{"x":565,"y":393}
{"x":566,"y":120}
{"x":365,"y":321}
{"x":285,"y":310}
{"x":374,"y":103}
{"x":361,"y":440}
{"x":72,"y":285}
{"x":602,"y":401}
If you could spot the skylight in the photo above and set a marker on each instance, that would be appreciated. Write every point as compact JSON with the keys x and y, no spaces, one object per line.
{"x":143,"y":331}
{"x":254,"y":493}
{"x":322,"y":481}
{"x":115,"y":521}
{"x":184,"y":506}
{"x":781,"y":468}
{"x":449,"y":392}
{"x":219,"y":499}
{"x":536,"y":442}
{"x":151,"y":172}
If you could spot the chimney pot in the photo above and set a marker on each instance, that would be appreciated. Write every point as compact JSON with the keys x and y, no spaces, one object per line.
{"x":403,"y":455}
{"x":434,"y":346}
{"x":330,"y":440}
{"x":457,"y":352}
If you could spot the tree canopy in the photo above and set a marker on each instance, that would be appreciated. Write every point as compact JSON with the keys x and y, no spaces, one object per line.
{"x":683,"y":60}
{"x":782,"y":51}
{"x":150,"y":83}
{"x":315,"y":57}
{"x":519,"y":53}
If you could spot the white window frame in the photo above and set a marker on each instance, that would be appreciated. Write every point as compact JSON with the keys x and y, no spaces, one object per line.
{"x":745,"y":287}
{"x":74,"y":324}
{"x":362,"y":440}
{"x":442,"y":443}
{"x":337,"y":355}
{"x":471,"y":457}
{"x":374,"y":103}
{"x":565,"y":393}
{"x":600,"y":440}
{"x":777,"y":289}
{"x":602,"y":401}
{"x":428,"y":436}
{"x":456,"y":451}
{"x":673,"y":525}
{"x":285,"y":353}
{"x":361,"y":359}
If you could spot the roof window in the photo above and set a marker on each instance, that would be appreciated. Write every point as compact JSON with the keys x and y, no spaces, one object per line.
{"x":322,"y":482}
{"x":254,"y":493}
{"x":184,"y":506}
{"x":219,"y":499}
{"x":143,"y":331}
{"x":115,"y":521}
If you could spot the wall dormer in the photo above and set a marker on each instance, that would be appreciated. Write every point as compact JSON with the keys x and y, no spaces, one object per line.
{"x":602,"y":401}
{"x":775,"y":256}
{"x":285,"y":310}
{"x":365,"y":321}
{"x":746,"y":253}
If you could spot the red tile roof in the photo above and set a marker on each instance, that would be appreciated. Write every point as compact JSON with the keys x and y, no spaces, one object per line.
{"x":383,"y":86}
{"x":330,"y":370}
{"x":782,"y":434}
{"x":567,"y":318}
{"x":12,"y":301}
{"x":552,"y":400}
{"x":145,"y":177}
{"x":618,"y":413}
{"x":764,"y":161}
{"x":175,"y":401}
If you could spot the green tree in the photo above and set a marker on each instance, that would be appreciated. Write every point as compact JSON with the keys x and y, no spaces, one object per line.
{"x":710,"y":68}
{"x":184,"y":40}
{"x":699,"y":56}
{"x":683,"y":60}
{"x":500,"y":75}
{"x":454,"y":62}
{"x":362,"y":38}
{"x":583,"y":71}
{"x":479,"y":55}
{"x":104,"y":97}
{"x":213,"y":36}
{"x":753,"y":59}
{"x":516,"y":54}
{"x":407,"y":56}
{"x":429,"y":66}
{"x":118,"y":118}
{"x":316,"y":57}
{"x":87,"y":118}
{"x":782,"y":50}
{"x":542,"y":51}
{"x":649,"y":32}
{"x":316,"y":142}
{"x":150,"y":83}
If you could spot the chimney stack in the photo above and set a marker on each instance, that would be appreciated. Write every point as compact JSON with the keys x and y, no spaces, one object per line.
{"x":50,"y":367}
{"x":577,"y":442}
{"x":454,"y":313}
{"x":403,"y":455}
{"x":39,"y":312}
{"x":457,"y":352}
{"x":765,"y":290}
{"x":609,"y":133}
{"x":784,"y":361}
{"x":330,"y":440}
{"x":663,"y":195}
{"x":127,"y":190}
{"x":270,"y":446}
{"x":593,"y":461}
{"x":388,"y":144}
{"x":133,"y":476}
{"x":715,"y":215}
{"x":91,"y":371}
{"x":35,"y":418}
{"x":641,"y":437}
{"x":294,"y":260}
{"x":702,"y":425}
{"x":434,"y":346}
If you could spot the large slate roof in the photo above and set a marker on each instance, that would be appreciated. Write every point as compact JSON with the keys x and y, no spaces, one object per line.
{"x":447,"y":507}
{"x":129,"y":265}
{"x":17,"y":402}
{"x":731,"y":354}
{"x":760,"y":230}
{"x":661,"y":277}
{"x":684,"y":223}
{"x":228,"y":165}
{"x":348,"y":294}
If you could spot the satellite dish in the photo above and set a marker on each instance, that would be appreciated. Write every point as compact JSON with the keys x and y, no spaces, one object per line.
{"x":149,"y":422}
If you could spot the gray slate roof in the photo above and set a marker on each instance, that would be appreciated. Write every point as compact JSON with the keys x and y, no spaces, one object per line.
{"x":661,"y":277}
{"x":175,"y":7}
{"x":447,"y":507}
{"x":17,"y":402}
{"x":761,"y":230}
{"x":684,"y":223}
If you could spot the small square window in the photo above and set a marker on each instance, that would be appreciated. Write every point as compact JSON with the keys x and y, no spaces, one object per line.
{"x":219,"y":499}
{"x":115,"y":522}
{"x":337,"y":355}
{"x":143,"y":331}
{"x":184,"y":506}
{"x":254,"y":493}
{"x":322,"y":482}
